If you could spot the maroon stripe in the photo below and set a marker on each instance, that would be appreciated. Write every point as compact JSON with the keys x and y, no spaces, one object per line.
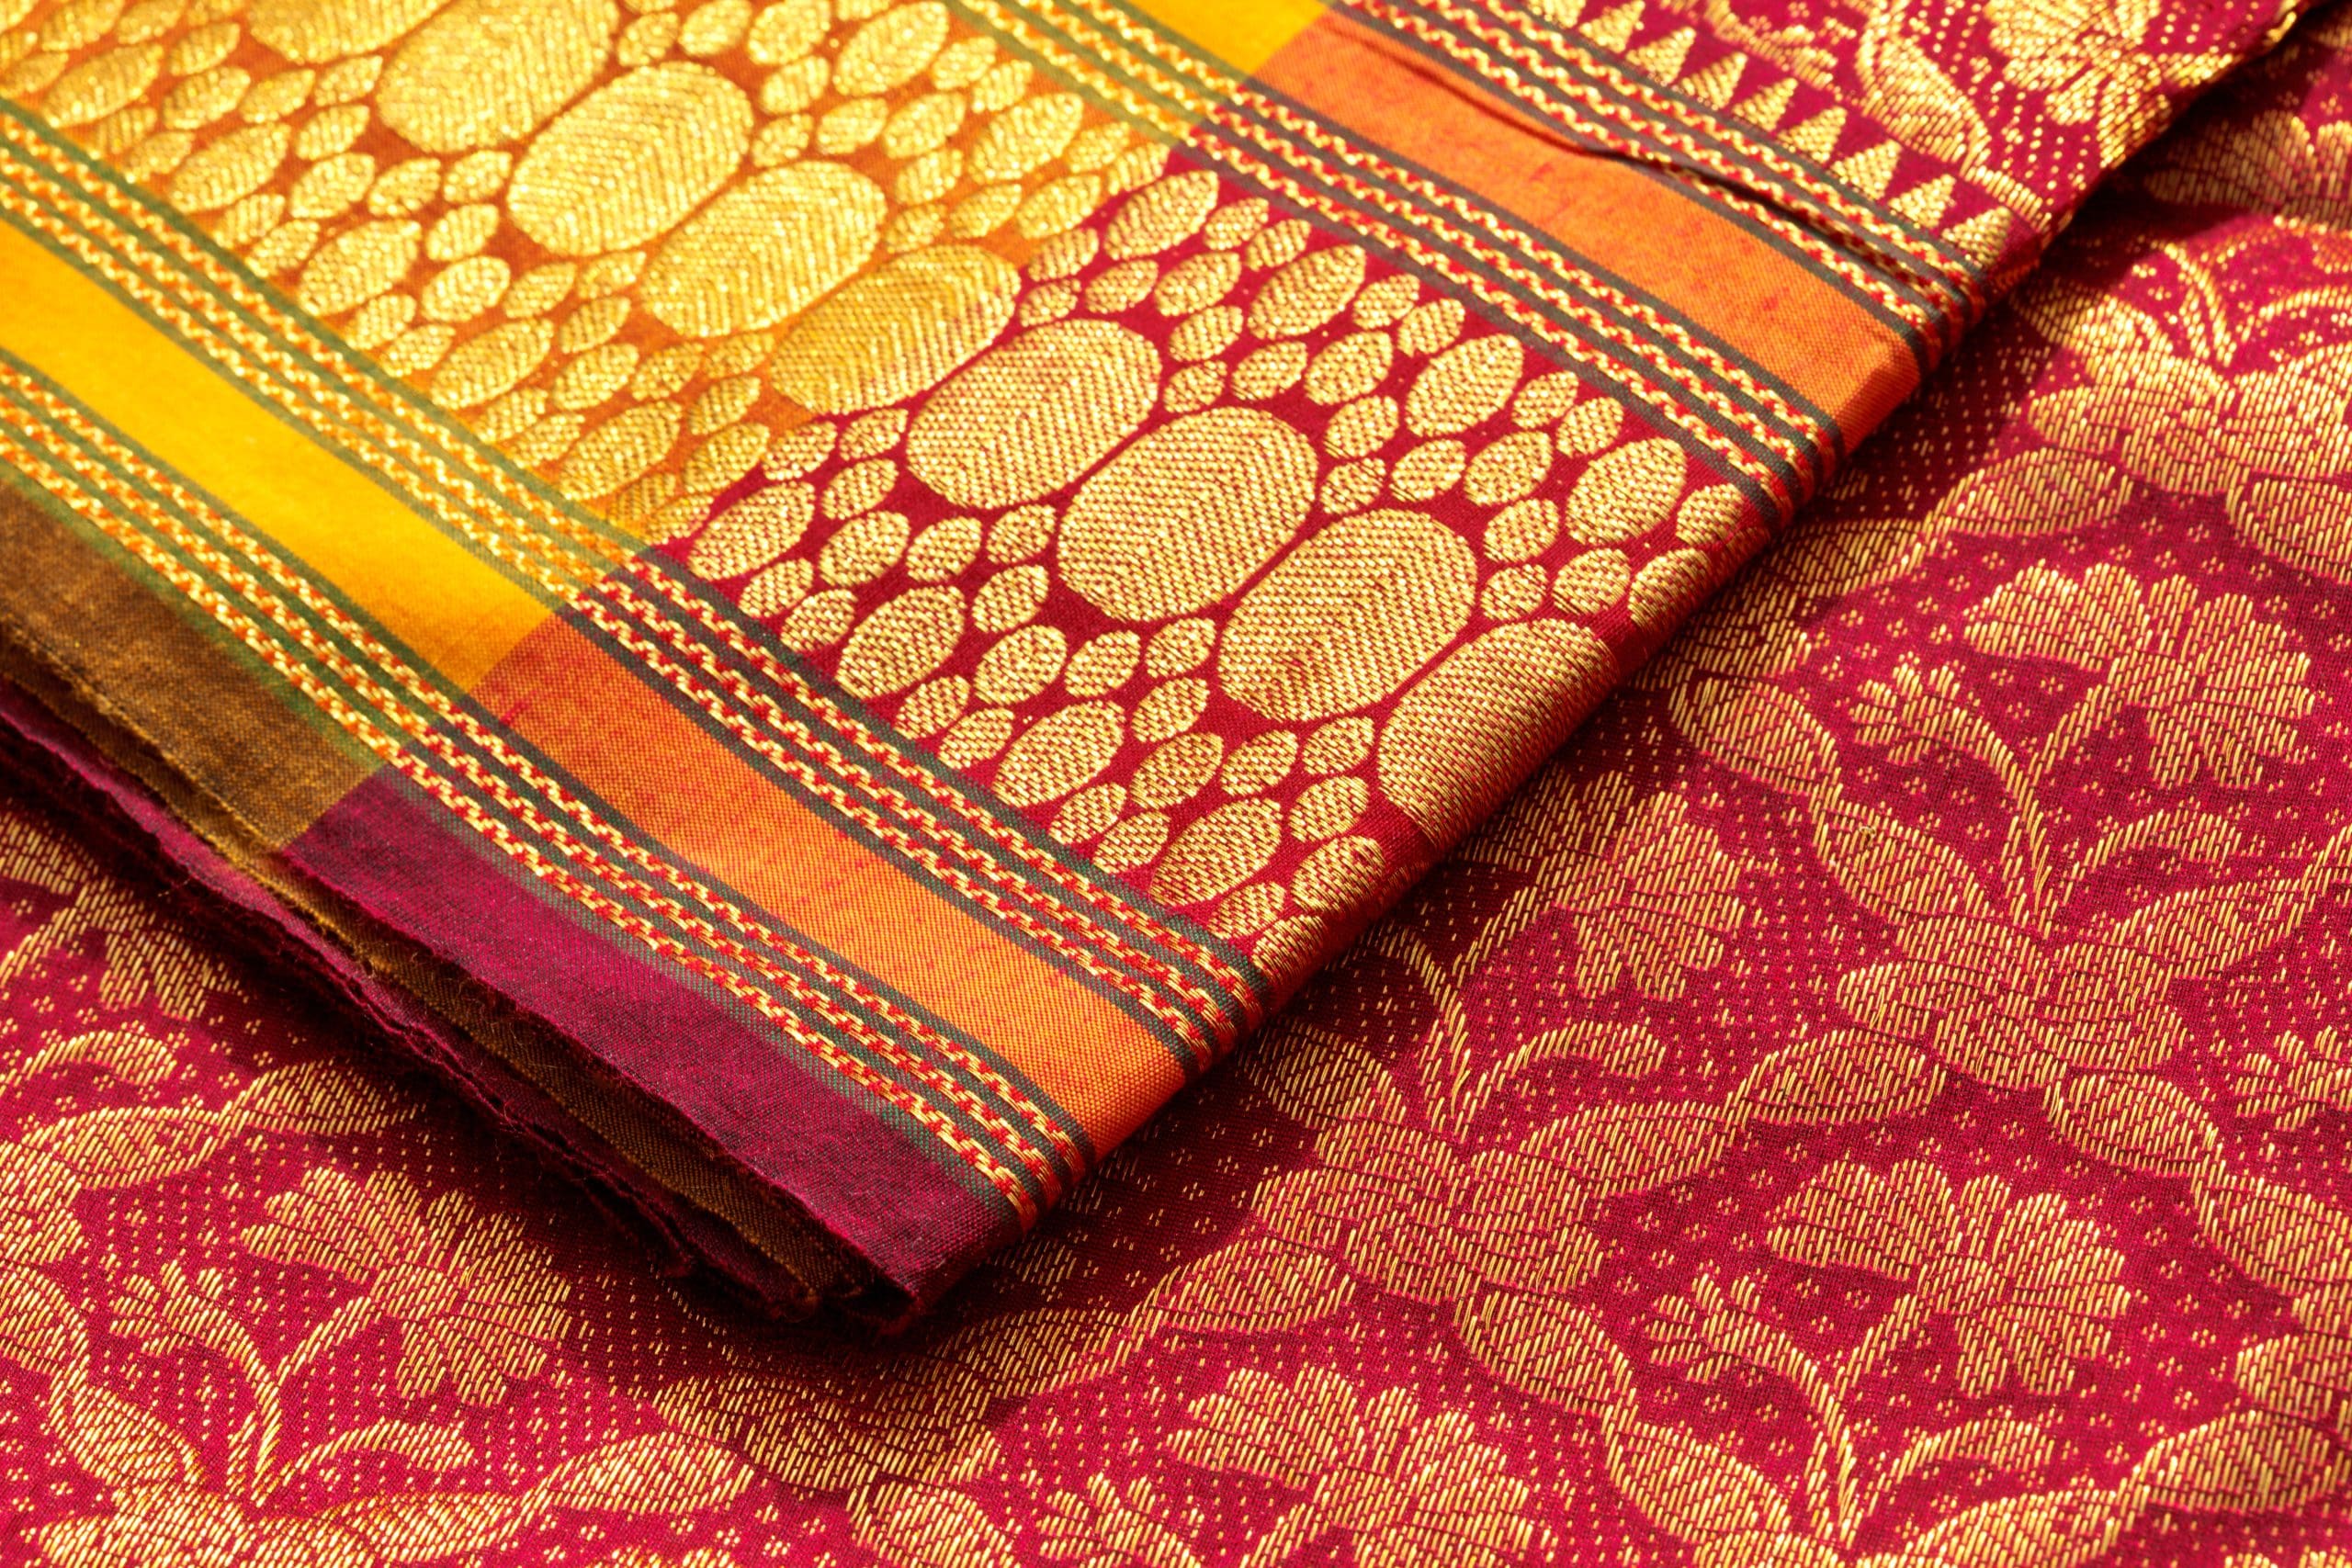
{"x":740,"y":1084}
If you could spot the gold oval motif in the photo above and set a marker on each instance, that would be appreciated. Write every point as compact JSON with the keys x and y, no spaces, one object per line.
{"x":944,"y":550}
{"x":1170,"y":709}
{"x":628,"y":160}
{"x":1197,"y":282}
{"x":312,"y":32}
{"x":1132,"y":842}
{"x":1337,"y":747}
{"x":485,"y":71}
{"x":754,"y":532}
{"x":903,"y":641}
{"x":1305,"y":293}
{"x":933,"y":705}
{"x":783,"y":32}
{"x":1022,"y":665}
{"x":1008,"y":598}
{"x":764,"y":251}
{"x":99,"y":86}
{"x":1328,"y":807}
{"x":1350,"y":368}
{"x":617,"y":451}
{"x":1260,"y":762}
{"x":1665,"y":590}
{"x":1103,"y":664}
{"x":891,"y":49}
{"x":483,"y":367}
{"x":357,"y":265}
{"x":1222,"y":849}
{"x":1523,"y":530}
{"x":1592,"y":582}
{"x":864,"y":549}
{"x":976,"y":738}
{"x":1059,"y":752}
{"x":1087,"y":812}
{"x":1509,"y":469}
{"x":901,"y":329}
{"x":1461,"y":740}
{"x":1175,"y":772}
{"x":236,"y":165}
{"x":1185,"y":515}
{"x":1025,"y":137}
{"x":1348,"y":616}
{"x":1464,"y":386}
{"x":1162,"y":213}
{"x":1626,"y":493}
{"x":1027,"y":418}
{"x":1178,"y":648}
{"x":1340,"y":875}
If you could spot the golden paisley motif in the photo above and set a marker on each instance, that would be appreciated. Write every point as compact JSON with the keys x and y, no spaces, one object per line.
{"x":1027,"y":418}
{"x":626,"y":163}
{"x":765,"y":250}
{"x":484,"y":71}
{"x":899,"y":331}
{"x":1185,"y":514}
{"x":1348,"y":616}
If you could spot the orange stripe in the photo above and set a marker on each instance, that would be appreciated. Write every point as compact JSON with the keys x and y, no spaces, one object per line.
{"x":673,"y":780}
{"x":1767,"y":305}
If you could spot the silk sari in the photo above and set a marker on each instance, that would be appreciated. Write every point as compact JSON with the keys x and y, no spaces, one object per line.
{"x":825,"y":604}
{"x":1877,"y":1097}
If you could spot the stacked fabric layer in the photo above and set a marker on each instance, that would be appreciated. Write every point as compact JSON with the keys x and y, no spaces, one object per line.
{"x":1877,"y":1097}
{"x":827,"y":604}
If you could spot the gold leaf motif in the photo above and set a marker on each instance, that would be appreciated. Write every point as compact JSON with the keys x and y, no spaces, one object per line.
{"x":2139,"y":1122}
{"x":1843,"y":1076}
{"x":1627,"y":1148}
{"x":1691,"y":1490}
{"x":1548,"y":1349}
{"x":2289,"y":1241}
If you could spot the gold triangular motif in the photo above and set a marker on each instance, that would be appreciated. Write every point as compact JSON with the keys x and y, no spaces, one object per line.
{"x":1924,"y":204}
{"x":1869,"y":172}
{"x":1661,"y":59}
{"x":1614,"y":30}
{"x":1765,"y":108}
{"x":1817,"y":138}
{"x":1980,"y":238}
{"x":1715,"y":85}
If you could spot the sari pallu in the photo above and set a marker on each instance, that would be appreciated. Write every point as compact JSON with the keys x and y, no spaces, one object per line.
{"x":853,"y":594}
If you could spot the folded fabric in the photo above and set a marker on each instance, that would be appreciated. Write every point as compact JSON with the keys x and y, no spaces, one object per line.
{"x":1880,"y":1100}
{"x":851,"y":593}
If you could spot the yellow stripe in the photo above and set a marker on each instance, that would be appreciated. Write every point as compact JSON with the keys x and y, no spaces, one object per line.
{"x":455,"y":610}
{"x":1243,"y":36}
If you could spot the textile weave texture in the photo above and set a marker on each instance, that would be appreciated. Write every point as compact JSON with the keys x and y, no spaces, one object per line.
{"x":1878,"y":1098}
{"x":829,"y":602}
